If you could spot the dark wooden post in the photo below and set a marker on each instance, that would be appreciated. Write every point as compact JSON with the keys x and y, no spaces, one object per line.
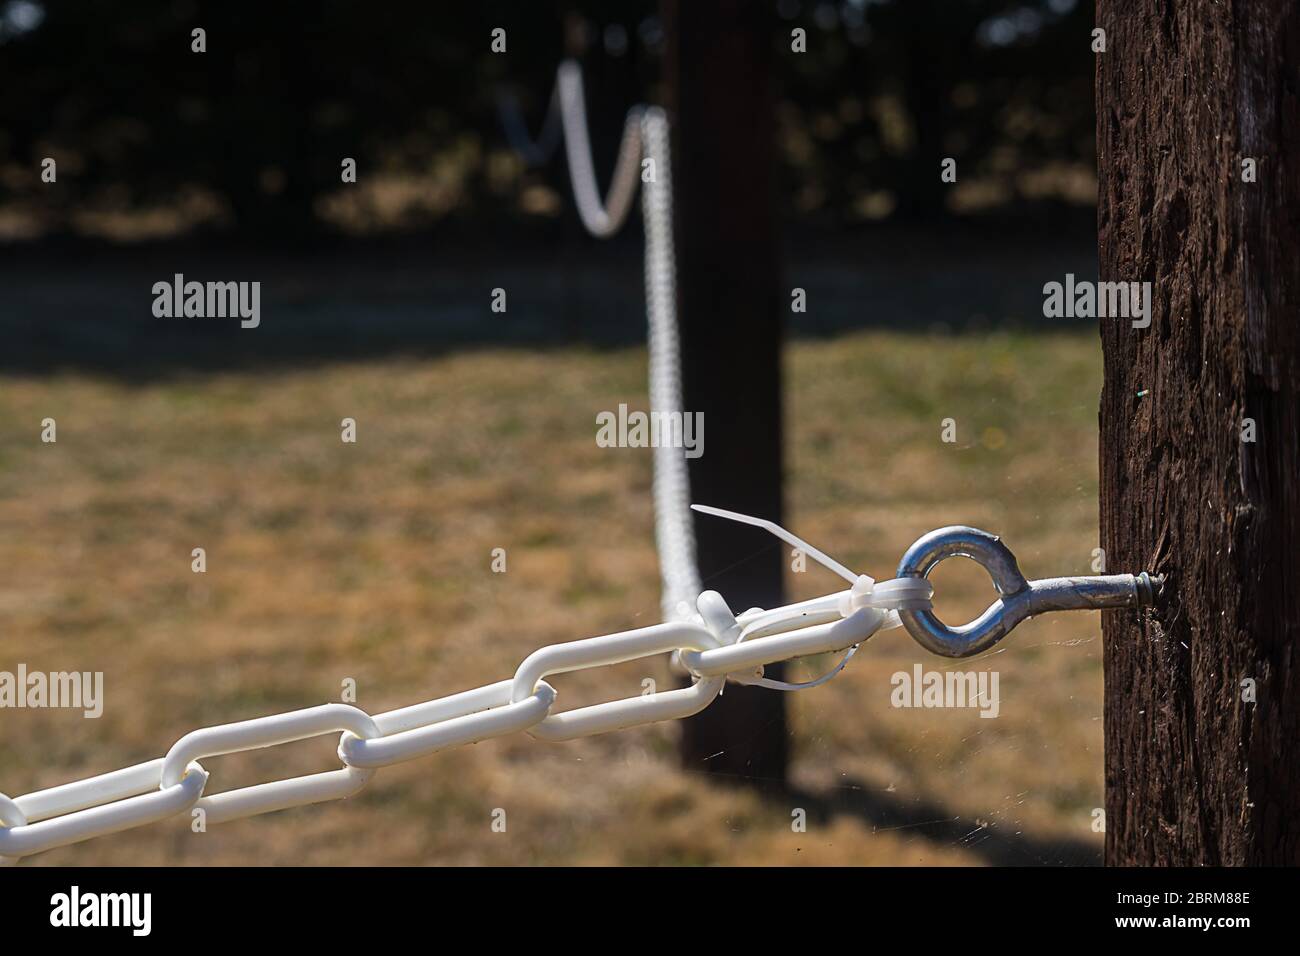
{"x":1198,"y":772}
{"x":719,"y":95}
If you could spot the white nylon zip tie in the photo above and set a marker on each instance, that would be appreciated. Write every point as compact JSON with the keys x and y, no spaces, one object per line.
{"x":865,"y":592}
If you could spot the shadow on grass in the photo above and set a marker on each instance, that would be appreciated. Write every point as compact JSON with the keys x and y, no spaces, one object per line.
{"x":883,"y":810}
{"x":994,"y":844}
{"x":87,"y":307}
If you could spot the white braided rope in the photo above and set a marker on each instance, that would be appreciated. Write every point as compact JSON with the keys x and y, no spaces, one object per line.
{"x":601,"y":219}
{"x":645,"y":135}
{"x":674,"y":526}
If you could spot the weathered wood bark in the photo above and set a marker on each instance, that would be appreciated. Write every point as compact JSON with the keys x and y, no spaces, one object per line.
{"x":1185,"y":92}
{"x":720,"y":101}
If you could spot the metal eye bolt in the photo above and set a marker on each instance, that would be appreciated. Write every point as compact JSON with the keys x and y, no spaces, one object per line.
{"x":1019,"y":599}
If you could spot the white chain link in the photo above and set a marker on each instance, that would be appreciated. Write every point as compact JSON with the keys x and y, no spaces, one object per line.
{"x":708,"y":646}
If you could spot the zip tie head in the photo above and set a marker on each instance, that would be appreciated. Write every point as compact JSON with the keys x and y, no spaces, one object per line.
{"x":888,"y":595}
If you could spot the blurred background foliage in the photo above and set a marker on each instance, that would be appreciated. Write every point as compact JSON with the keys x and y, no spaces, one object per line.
{"x":153,"y":140}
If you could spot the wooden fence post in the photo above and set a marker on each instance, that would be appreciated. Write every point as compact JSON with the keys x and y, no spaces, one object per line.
{"x":718,"y":79}
{"x":1198,"y":139}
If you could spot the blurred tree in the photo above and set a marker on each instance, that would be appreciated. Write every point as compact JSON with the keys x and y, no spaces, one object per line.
{"x":888,"y":89}
{"x":262,"y":120}
{"x":265,"y":116}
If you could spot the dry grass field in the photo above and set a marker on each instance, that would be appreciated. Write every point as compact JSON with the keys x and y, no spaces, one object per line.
{"x":329,"y":561}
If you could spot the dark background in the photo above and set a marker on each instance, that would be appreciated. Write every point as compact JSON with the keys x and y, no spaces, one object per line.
{"x":226,"y":164}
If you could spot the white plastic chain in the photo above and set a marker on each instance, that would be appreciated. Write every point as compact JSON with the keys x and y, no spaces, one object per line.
{"x":712,"y":645}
